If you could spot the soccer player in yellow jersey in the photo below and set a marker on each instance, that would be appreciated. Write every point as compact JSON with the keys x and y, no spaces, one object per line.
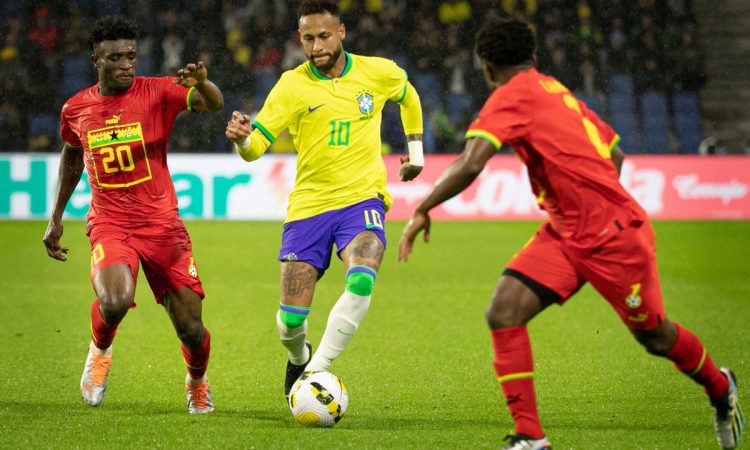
{"x":332,"y":107}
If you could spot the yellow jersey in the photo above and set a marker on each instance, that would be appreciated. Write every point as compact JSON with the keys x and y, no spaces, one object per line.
{"x":335,"y":127}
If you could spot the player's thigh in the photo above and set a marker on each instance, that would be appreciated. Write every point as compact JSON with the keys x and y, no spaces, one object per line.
{"x":308,"y":241}
{"x":360,"y":234}
{"x":167,"y":256}
{"x":298,"y":280}
{"x":543,"y":267}
{"x":624,"y":271}
{"x":114,"y":264}
{"x":513,"y":303}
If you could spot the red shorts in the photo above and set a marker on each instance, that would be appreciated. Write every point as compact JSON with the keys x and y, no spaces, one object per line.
{"x":163,"y":248}
{"x":623,"y":270}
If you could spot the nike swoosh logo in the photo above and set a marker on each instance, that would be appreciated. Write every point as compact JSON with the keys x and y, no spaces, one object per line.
{"x":313,"y":109}
{"x":344,"y":332}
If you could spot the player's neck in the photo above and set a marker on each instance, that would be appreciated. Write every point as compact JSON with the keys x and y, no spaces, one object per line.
{"x":110,"y":91}
{"x":338,"y":68}
{"x":506,"y":73}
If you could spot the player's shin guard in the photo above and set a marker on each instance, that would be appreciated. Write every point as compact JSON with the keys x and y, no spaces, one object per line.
{"x":292,"y":324}
{"x":196,"y":359}
{"x":514,"y":367}
{"x":102,"y":333}
{"x":345,"y":316}
{"x":692,"y":359}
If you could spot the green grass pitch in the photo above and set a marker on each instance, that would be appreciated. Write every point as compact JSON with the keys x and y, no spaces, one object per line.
{"x":419,"y":371}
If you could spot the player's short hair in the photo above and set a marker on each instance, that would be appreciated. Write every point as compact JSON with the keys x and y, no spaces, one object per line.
{"x":308,"y":7}
{"x":505,"y":41}
{"x":112,"y":28}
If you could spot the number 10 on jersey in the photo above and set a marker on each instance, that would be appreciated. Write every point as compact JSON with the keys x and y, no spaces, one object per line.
{"x":339,"y":132}
{"x":373,"y":219}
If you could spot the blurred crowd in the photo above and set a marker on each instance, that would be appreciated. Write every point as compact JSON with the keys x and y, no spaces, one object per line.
{"x":246,"y":44}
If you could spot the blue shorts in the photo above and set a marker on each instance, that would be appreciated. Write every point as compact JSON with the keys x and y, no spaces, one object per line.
{"x":311,"y":240}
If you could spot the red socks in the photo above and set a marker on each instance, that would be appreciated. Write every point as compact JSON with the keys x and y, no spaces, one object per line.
{"x":102,"y":333}
{"x":196,"y":359}
{"x":514,"y":367}
{"x":692,"y":359}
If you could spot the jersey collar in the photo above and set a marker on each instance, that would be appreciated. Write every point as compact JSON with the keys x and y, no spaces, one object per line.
{"x":347,"y":68}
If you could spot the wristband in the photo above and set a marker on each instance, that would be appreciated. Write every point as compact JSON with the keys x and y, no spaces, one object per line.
{"x":243,"y":146}
{"x":416,"y":156}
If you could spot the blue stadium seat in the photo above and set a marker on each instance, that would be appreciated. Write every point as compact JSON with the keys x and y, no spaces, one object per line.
{"x":620,"y":104}
{"x":689,"y":133}
{"x":594,"y":102}
{"x":43,"y":124}
{"x":430,"y":90}
{"x":687,"y":121}
{"x":263,"y":82}
{"x":626,"y":125}
{"x":456,"y":105}
{"x":655,"y":122}
{"x":75,"y":75}
{"x":234,"y":103}
{"x":620,"y":83}
{"x":687,"y":103}
{"x":654,"y":103}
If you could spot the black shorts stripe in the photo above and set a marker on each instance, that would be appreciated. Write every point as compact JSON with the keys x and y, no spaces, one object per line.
{"x":546,"y":295}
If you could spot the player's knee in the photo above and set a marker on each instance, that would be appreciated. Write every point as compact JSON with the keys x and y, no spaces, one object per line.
{"x":503,"y":315}
{"x":360,"y":280}
{"x":656,"y":342}
{"x":190,"y":334}
{"x":114,"y":307}
{"x":292,"y":316}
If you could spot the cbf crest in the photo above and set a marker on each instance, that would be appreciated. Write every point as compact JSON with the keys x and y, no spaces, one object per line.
{"x":366,"y":102}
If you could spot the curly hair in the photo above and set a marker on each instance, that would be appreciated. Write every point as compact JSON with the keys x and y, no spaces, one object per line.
{"x":308,"y":7}
{"x":112,"y":28}
{"x":505,"y":41}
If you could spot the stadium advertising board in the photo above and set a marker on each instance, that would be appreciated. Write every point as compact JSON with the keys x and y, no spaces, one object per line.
{"x":224,"y":187}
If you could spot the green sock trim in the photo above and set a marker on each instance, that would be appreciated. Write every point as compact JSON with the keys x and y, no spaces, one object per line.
{"x":293,"y":316}
{"x":360,"y":283}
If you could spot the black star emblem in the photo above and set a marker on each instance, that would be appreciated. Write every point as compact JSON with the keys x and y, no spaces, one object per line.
{"x":114,"y":135}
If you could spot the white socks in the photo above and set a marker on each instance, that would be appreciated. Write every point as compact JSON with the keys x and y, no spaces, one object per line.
{"x":294,"y":341}
{"x":343,"y":321}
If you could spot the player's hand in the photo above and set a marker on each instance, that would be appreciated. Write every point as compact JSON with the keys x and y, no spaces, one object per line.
{"x":238,"y":128}
{"x":407,"y":172}
{"x":192,"y":75}
{"x":419,"y":222}
{"x":52,"y":241}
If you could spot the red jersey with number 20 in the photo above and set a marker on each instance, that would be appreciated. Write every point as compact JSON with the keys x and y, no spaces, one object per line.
{"x":566,"y":149}
{"x":124,"y":139}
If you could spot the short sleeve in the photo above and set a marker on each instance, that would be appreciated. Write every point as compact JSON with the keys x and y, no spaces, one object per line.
{"x":504,"y":117}
{"x":608,"y":134}
{"x":273,"y":117}
{"x":176,"y":97}
{"x":66,"y":130}
{"x":394,"y":81}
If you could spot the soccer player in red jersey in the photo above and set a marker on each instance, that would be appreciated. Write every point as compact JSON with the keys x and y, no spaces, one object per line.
{"x":596,"y":232}
{"x":119,"y":128}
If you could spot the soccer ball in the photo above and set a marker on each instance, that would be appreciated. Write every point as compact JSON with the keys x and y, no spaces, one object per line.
{"x":318,"y":399}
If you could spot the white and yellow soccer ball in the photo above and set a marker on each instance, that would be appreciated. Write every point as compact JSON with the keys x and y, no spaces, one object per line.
{"x":318,"y":399}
